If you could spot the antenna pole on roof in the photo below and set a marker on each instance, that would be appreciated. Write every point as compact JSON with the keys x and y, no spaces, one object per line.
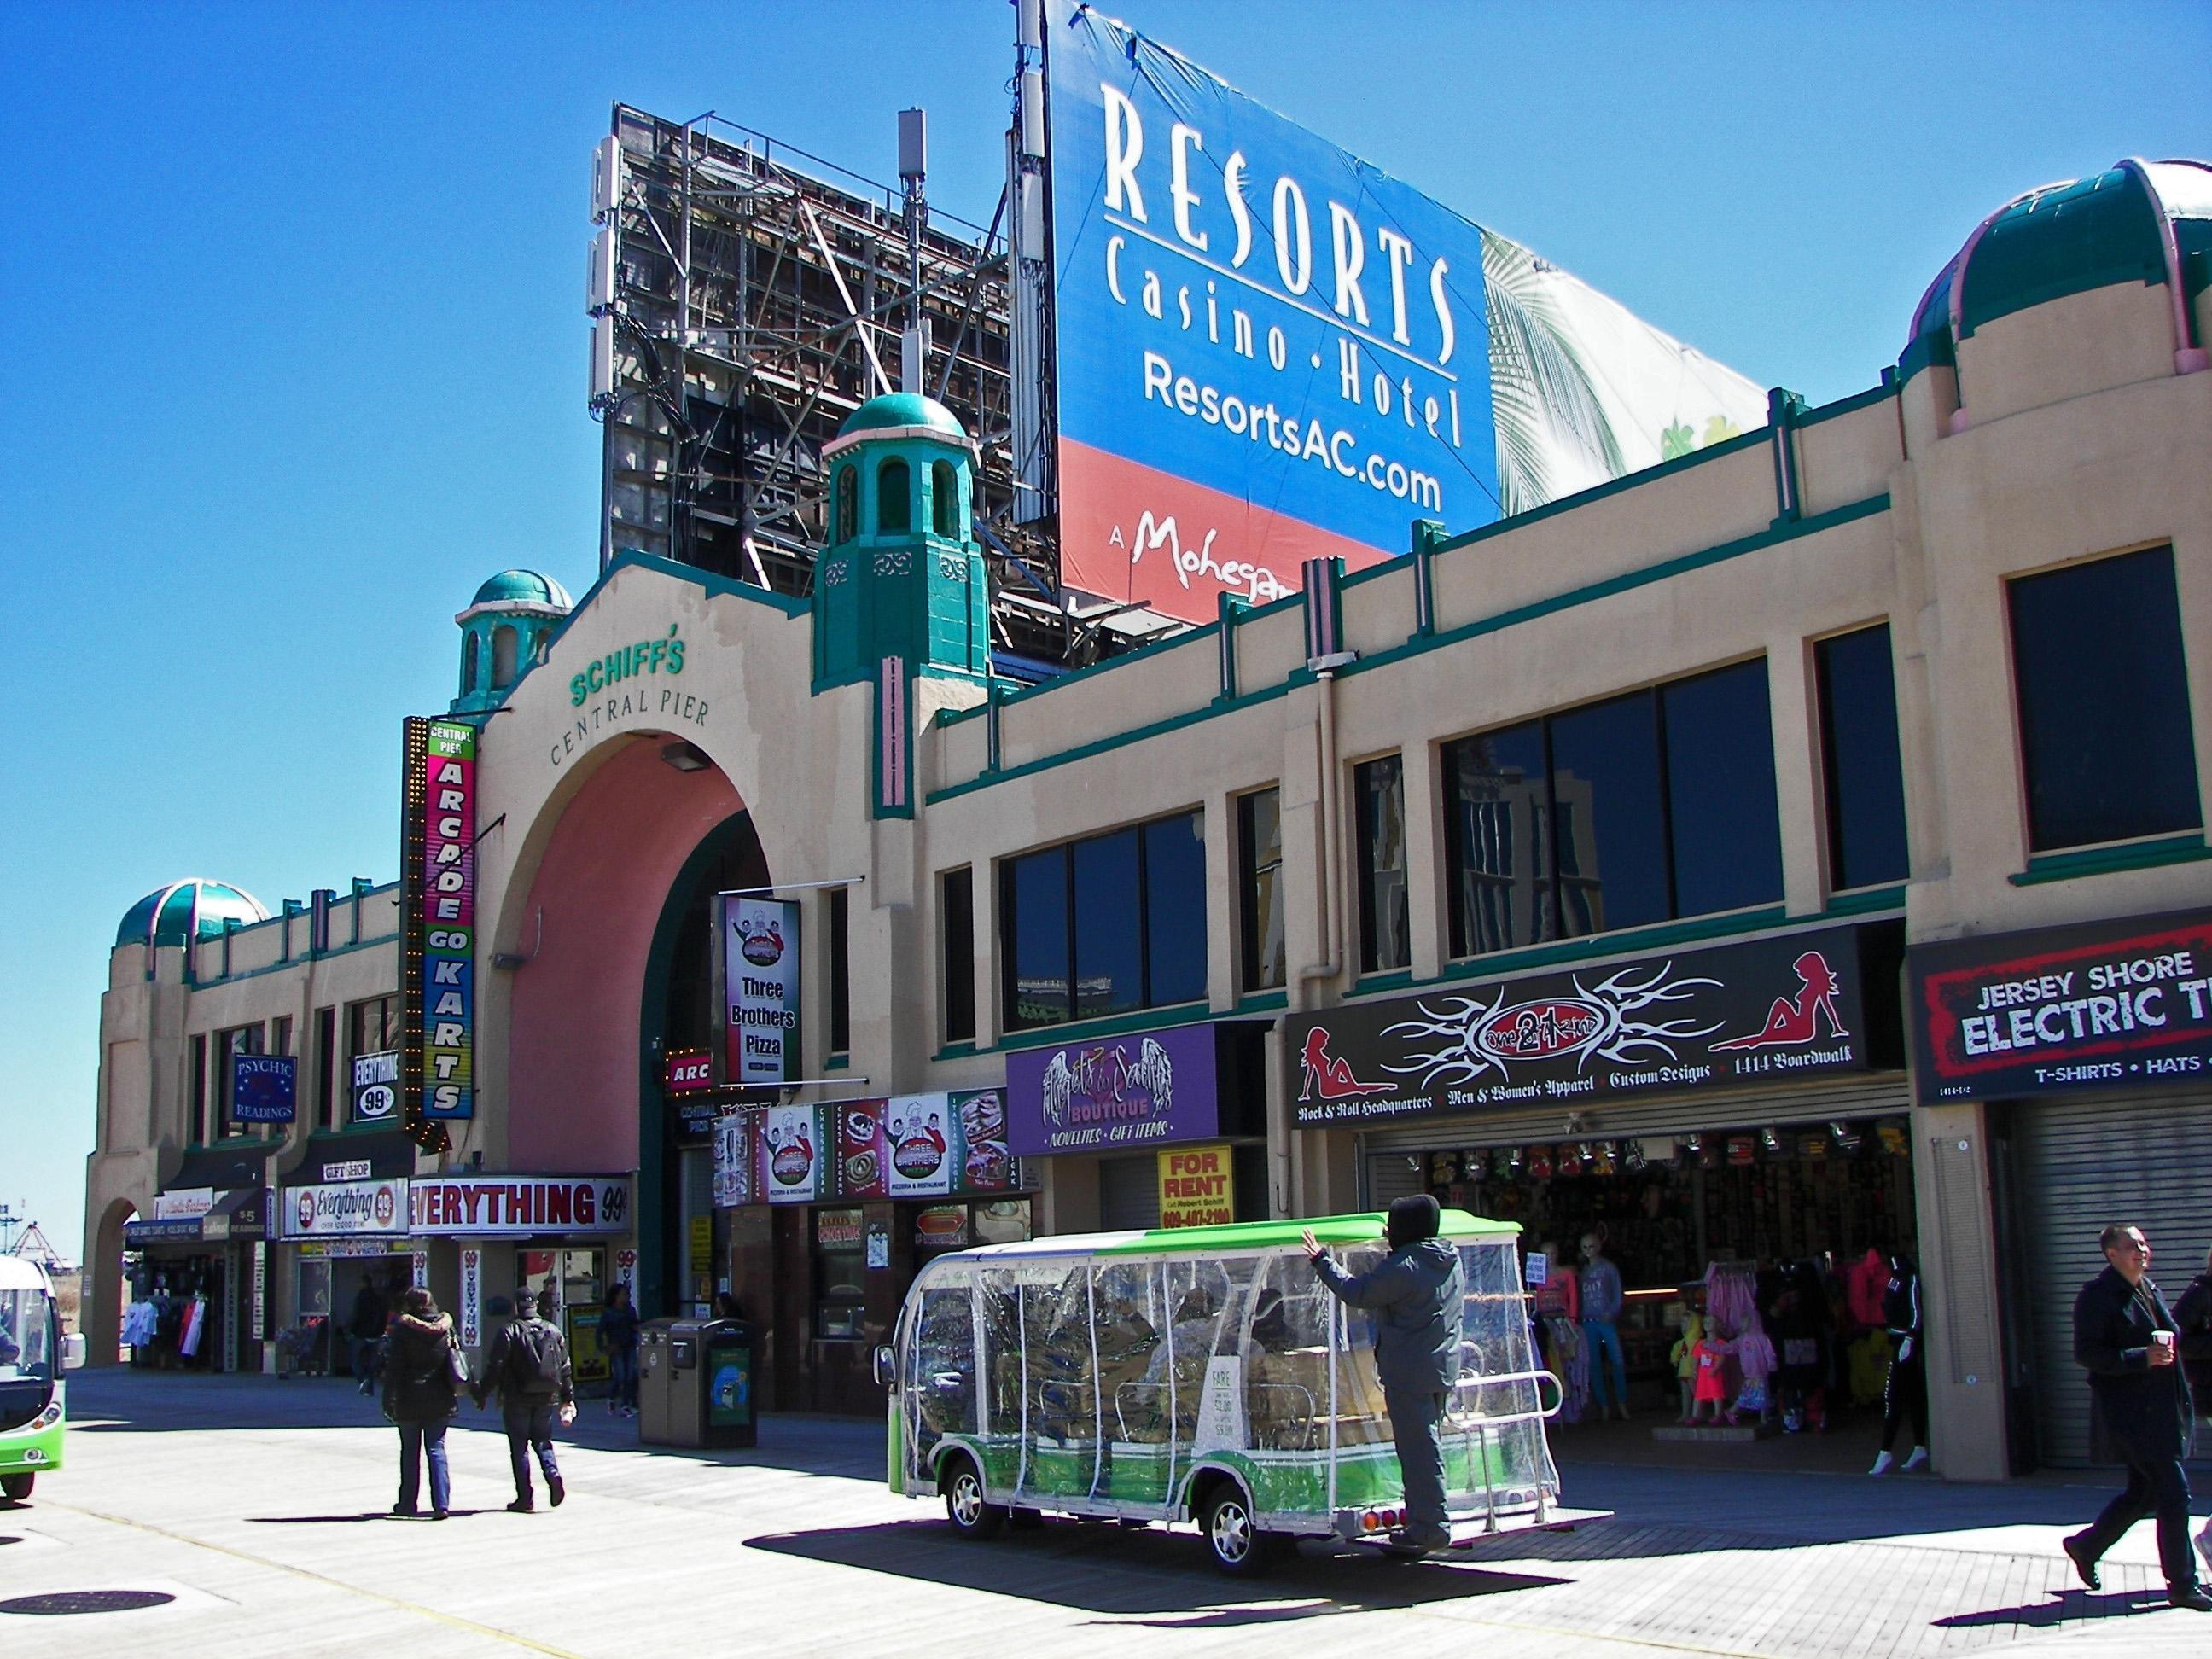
{"x":914,"y":171}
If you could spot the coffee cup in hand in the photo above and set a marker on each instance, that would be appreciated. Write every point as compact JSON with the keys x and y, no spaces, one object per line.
{"x":2161,"y":1347}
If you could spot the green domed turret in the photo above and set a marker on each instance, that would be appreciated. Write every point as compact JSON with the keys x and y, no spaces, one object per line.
{"x":504,"y":630}
{"x":186,"y":911}
{"x":900,"y":591}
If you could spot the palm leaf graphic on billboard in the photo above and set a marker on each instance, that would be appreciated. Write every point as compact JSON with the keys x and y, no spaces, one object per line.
{"x":1540,"y":388}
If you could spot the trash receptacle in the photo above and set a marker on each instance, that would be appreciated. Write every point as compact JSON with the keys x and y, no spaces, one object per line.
{"x":656,"y":1378}
{"x":695,"y":1383}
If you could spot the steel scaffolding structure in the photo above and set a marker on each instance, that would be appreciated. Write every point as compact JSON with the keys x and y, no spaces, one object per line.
{"x":746,"y":298}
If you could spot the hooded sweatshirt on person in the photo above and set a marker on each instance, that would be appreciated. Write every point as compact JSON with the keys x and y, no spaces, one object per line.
{"x":1414,"y":1295}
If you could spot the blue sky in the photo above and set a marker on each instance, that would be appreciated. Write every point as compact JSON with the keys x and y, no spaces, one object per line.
{"x":293,"y":318}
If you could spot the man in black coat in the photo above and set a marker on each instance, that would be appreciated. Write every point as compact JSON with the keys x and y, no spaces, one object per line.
{"x":2125,"y":1335}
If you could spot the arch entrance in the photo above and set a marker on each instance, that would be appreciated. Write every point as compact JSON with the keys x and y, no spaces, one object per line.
{"x":613,"y":935}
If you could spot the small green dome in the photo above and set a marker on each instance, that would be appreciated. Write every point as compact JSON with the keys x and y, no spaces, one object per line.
{"x":523,"y":587}
{"x":903,"y":409}
{"x":194,"y":909}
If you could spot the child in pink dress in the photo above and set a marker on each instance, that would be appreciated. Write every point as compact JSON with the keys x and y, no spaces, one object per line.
{"x":1710,"y":1388}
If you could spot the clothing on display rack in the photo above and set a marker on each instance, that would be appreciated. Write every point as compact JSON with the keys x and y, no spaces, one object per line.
{"x":194,"y":1323}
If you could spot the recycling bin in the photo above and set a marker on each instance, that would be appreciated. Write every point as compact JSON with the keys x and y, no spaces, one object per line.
{"x":695,"y":1382}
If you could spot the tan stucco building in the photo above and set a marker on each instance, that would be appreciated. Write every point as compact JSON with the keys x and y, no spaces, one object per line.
{"x":1617,"y":769}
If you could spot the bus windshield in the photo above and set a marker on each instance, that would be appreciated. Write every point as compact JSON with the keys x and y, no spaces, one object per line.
{"x":26,"y":1336}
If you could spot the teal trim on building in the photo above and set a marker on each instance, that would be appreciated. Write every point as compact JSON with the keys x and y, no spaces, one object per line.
{"x":1861,"y":900}
{"x":2103,"y":860}
{"x":1419,"y":644}
{"x":2093,"y":232}
{"x":1262,"y":1002}
{"x":1599,"y":492}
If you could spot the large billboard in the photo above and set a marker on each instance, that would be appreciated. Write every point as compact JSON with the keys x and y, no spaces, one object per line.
{"x":1266,"y":350}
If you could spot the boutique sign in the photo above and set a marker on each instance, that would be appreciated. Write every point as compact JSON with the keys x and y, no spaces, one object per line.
{"x":2118,"y":1004}
{"x":1792,"y":1006}
{"x":1115,"y":1094}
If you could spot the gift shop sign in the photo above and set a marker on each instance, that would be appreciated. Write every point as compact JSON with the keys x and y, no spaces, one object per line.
{"x":1114,"y":1094}
{"x":1772,"y":1007}
{"x":342,"y":1209}
{"x":491,"y":1206}
{"x":756,"y":974}
{"x":2115,"y":1005}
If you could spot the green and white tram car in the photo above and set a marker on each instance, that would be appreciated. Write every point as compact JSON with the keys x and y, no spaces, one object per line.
{"x":1205,"y":1375}
{"x":34,"y":1353}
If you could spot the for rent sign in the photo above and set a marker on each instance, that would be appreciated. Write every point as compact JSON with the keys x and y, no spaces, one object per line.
{"x":1198,"y":1188}
{"x":2113,"y":1005}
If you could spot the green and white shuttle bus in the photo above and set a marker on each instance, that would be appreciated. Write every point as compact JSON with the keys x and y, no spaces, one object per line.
{"x":34,"y":1353}
{"x":1205,"y":1374}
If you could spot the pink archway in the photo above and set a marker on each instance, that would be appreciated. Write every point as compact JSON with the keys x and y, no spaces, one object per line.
{"x":600,"y":887}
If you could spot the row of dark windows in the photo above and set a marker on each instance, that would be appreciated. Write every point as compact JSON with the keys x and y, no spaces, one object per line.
{"x":895,"y":504}
{"x":1655,"y":806}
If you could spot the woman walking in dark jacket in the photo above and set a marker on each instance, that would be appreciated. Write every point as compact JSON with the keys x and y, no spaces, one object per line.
{"x":419,"y":1397}
{"x":2193,"y":1314}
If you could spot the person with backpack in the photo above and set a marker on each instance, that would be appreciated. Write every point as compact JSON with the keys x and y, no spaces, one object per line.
{"x":2193,"y":1314}
{"x":528,"y":1367}
{"x":421,"y":1371}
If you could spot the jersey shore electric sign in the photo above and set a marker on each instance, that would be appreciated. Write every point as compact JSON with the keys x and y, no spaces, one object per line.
{"x":438,"y":920}
{"x":1266,"y":350}
{"x":2115,"y":1005}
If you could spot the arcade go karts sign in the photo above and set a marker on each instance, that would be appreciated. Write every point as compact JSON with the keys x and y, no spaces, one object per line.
{"x":1793,"y":1006}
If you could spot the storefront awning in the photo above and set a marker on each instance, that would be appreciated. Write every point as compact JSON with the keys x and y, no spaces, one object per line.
{"x":239,"y":1213}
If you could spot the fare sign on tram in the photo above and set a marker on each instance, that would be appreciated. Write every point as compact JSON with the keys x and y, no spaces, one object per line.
{"x":1792,"y":1006}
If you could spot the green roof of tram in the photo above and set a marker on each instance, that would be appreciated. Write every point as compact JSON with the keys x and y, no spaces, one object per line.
{"x":1366,"y":1228}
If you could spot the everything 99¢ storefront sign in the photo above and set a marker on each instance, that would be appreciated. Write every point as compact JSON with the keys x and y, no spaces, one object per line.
{"x":2110,"y":1005}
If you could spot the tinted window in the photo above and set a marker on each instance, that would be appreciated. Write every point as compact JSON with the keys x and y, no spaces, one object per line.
{"x":1497,"y":820}
{"x":1605,"y":771}
{"x":1720,"y":791}
{"x":848,"y":511}
{"x":944,"y":499}
{"x":1134,"y":938}
{"x":1379,"y":788}
{"x":894,"y":497}
{"x":2104,"y":702}
{"x":1036,"y":905}
{"x":957,"y":924}
{"x":1108,"y":939}
{"x":1260,"y":888}
{"x":1864,"y":779}
{"x":1175,"y":909}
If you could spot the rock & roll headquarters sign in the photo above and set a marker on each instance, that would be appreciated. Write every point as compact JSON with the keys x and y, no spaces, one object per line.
{"x":438,"y":920}
{"x":2116,"y":1004}
{"x":1794,"y":1007}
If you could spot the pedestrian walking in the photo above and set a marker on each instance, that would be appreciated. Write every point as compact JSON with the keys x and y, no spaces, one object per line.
{"x":1415,"y":1294}
{"x":2193,"y":1314}
{"x":364,"y":1328}
{"x":528,"y":1367}
{"x":422,"y":1371}
{"x":1601,"y":1305}
{"x":618,"y":1336}
{"x":2126,"y":1338}
{"x":1905,"y":1391}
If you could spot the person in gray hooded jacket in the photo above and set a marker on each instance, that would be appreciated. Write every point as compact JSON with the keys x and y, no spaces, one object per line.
{"x":1415,"y":1294}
